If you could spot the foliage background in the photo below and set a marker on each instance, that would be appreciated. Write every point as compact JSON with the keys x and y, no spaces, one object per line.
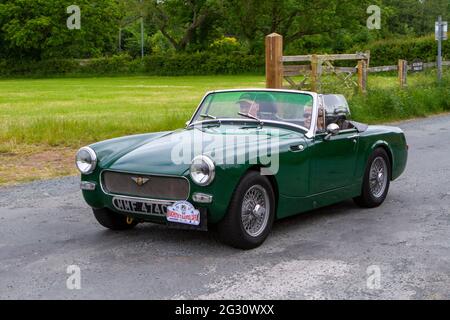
{"x":73,"y":102}
{"x":193,"y":36}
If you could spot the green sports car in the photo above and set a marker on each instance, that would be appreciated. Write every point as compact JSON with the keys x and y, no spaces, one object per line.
{"x":245,"y":159}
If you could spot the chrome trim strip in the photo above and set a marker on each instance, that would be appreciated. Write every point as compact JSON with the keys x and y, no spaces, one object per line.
{"x":313,"y":129}
{"x":198,"y":123}
{"x":260,"y":89}
{"x":168,"y":202}
{"x":346,"y":131}
{"x":135,"y":173}
{"x":197,"y":109}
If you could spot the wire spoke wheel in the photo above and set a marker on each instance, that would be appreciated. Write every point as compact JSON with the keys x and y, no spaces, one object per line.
{"x":378,"y":177}
{"x":251,"y":213}
{"x":255,"y":211}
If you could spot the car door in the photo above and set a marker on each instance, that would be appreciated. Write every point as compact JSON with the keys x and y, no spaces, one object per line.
{"x":333,"y":161}
{"x":333,"y":158}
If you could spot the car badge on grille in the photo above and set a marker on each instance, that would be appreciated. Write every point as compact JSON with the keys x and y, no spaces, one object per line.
{"x":140,"y":181}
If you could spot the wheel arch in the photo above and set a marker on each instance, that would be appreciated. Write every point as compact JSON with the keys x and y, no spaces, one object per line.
{"x":381,"y":144}
{"x":273,"y":182}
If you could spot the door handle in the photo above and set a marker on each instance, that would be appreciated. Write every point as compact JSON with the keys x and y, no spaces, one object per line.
{"x":297,"y":148}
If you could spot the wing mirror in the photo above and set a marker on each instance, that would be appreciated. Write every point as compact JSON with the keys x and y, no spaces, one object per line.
{"x":332,"y":130}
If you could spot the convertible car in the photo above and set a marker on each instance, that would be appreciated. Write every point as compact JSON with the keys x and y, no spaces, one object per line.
{"x":245,"y":159}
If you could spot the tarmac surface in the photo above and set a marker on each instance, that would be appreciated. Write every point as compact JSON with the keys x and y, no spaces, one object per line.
{"x":398,"y":251}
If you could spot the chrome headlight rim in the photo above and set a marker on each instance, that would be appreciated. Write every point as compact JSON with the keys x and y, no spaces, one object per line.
{"x":211,"y":170}
{"x":93,"y":164}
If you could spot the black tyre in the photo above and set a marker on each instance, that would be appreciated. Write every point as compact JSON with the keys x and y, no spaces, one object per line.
{"x":112,"y":220}
{"x":377,"y":178}
{"x":250,"y":214}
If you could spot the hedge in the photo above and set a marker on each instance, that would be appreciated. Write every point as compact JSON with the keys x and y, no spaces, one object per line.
{"x":383,"y":52}
{"x":388,"y":52}
{"x":205,"y":63}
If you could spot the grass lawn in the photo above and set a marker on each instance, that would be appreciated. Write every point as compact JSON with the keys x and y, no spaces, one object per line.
{"x":44,"y":121}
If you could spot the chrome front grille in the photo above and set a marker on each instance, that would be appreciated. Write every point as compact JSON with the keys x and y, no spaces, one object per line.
{"x":145,"y":186}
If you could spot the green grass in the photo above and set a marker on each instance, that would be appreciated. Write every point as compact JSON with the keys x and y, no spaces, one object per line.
{"x":385,"y":101}
{"x":44,"y":121}
{"x":76,"y":111}
{"x":71,"y":112}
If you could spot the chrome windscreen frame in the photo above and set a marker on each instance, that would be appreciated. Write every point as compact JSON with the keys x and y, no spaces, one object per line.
{"x":310,"y":133}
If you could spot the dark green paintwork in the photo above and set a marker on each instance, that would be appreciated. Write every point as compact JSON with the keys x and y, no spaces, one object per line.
{"x":326,"y":172}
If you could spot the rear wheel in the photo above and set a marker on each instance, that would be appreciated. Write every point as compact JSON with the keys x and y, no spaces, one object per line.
{"x":376,"y":180}
{"x":112,"y":220}
{"x":251,"y":213}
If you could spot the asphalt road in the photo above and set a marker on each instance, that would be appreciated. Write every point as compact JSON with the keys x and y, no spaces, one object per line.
{"x":332,"y":253}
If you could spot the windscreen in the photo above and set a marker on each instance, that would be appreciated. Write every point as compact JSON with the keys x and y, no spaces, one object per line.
{"x":293,"y":108}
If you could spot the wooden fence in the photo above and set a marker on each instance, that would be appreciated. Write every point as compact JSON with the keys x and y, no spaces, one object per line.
{"x":280,"y":68}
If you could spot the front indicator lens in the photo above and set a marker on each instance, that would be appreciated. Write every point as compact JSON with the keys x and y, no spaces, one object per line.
{"x":88,"y":186}
{"x":202,"y":198}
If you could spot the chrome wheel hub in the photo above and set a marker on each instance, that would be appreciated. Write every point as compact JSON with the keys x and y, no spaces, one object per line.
{"x":255,"y":211}
{"x":378,"y":176}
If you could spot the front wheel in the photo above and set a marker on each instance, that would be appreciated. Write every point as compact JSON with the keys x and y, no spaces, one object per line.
{"x":250,"y":214}
{"x":112,"y":220}
{"x":376,"y":180}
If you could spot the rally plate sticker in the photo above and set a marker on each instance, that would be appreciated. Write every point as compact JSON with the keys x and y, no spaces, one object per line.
{"x":183,"y":212}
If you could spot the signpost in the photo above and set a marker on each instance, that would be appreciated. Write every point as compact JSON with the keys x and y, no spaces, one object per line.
{"x":441,"y":29}
{"x":417,"y":66}
{"x":142,"y":33}
{"x":445,"y":30}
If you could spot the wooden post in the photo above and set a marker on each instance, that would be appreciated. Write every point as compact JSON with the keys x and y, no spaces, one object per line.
{"x":362,"y":76}
{"x":314,"y":72}
{"x":274,"y":61}
{"x":368,"y":58}
{"x":402,"y":72}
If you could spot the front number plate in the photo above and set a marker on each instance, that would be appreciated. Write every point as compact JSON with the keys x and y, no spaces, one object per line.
{"x":141,"y":207}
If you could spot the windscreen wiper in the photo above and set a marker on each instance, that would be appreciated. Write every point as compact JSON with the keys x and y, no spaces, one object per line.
{"x":247,"y":115}
{"x":208,"y":116}
{"x":207,"y":123}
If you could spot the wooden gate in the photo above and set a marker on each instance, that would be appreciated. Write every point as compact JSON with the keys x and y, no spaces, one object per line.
{"x":312,"y":69}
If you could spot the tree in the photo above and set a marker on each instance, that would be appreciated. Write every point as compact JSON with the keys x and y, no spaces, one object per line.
{"x":295,"y":19}
{"x":414,"y":17}
{"x":37,"y":29}
{"x":180,"y":21}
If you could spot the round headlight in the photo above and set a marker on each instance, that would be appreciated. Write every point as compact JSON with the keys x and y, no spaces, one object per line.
{"x":86,"y":160}
{"x":203,"y":170}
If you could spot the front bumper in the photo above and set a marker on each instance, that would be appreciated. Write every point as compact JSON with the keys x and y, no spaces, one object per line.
{"x":214,"y":198}
{"x":98,"y":199}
